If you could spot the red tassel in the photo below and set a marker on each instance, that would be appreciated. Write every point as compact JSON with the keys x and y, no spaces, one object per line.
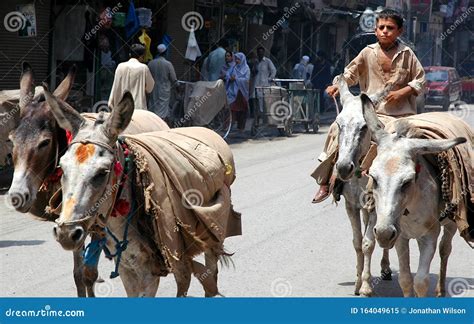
{"x":121,"y":208}
{"x":118,"y":168}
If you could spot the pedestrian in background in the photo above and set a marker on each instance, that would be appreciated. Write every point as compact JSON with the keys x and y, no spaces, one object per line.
{"x":132,"y":76}
{"x":212,"y":66}
{"x":164,"y":75}
{"x":266,"y":72}
{"x":229,"y":63}
{"x":237,"y":88}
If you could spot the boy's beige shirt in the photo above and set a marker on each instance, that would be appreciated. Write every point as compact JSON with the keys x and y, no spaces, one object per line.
{"x":366,"y":71}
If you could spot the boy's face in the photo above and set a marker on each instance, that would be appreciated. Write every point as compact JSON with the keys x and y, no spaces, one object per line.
{"x":387,"y":31}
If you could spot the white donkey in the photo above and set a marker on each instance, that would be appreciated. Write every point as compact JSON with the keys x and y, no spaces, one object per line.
{"x":407,"y":200}
{"x":354,"y":143}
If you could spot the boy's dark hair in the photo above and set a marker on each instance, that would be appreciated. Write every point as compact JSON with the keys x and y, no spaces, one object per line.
{"x":393,"y":14}
{"x":137,"y":50}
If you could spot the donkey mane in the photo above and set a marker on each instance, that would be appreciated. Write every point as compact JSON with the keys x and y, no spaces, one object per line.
{"x":100,"y":119}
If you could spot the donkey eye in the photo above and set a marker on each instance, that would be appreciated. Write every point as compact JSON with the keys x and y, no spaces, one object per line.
{"x":100,"y":176}
{"x":406,"y":185}
{"x":44,"y":143}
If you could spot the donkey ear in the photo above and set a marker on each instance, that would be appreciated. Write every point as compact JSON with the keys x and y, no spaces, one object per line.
{"x":343,"y":89}
{"x":62,"y":91}
{"x":427,"y":146}
{"x":120,"y":117}
{"x":27,"y":88}
{"x":370,"y":116}
{"x":65,"y":115}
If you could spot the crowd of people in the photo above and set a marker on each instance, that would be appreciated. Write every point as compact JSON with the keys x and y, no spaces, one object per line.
{"x":151,"y":86}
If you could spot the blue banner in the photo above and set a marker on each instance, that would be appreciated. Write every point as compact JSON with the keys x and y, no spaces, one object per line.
{"x":237,"y":310}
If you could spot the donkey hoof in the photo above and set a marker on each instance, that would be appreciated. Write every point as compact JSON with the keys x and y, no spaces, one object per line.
{"x":366,"y":291}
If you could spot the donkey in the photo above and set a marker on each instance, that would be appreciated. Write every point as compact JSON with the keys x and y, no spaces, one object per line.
{"x":407,"y":200}
{"x":354,"y":143}
{"x":89,"y":175}
{"x":38,"y":144}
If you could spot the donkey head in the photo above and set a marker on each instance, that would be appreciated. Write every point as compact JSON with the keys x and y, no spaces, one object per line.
{"x":396,"y":172}
{"x":354,"y":138}
{"x":36,"y":140}
{"x":89,"y":181}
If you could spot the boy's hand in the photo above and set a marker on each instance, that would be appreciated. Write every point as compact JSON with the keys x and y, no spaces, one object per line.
{"x":399,"y":94}
{"x":332,"y":90}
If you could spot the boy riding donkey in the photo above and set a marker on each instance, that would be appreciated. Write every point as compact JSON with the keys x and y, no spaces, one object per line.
{"x":386,"y":62}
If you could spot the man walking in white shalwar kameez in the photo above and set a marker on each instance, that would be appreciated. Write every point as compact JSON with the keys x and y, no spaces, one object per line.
{"x":164,"y":75}
{"x":134,"y":77}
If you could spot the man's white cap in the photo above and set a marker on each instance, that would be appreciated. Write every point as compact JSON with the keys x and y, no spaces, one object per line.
{"x":161,"y":48}
{"x":305,"y":58}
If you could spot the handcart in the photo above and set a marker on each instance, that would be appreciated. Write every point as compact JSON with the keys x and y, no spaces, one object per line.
{"x":304,"y":104}
{"x":273,"y":110}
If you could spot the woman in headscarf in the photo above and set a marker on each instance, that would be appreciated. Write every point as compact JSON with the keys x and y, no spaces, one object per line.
{"x":237,"y":87}
{"x":229,"y":63}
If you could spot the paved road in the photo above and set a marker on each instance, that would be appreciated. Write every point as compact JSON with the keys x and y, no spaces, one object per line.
{"x":289,"y":247}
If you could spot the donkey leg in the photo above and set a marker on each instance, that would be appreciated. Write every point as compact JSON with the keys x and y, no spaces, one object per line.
{"x":182,"y":276}
{"x":78,"y":279}
{"x":386,"y":272}
{"x":211,"y":258}
{"x":130,"y":282}
{"x":89,"y":276}
{"x":405,"y":278}
{"x":368,"y":245}
{"x":445,"y":247}
{"x":427,"y":247}
{"x":354,"y":217}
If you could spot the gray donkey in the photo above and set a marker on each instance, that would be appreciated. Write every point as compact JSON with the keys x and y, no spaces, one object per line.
{"x":407,"y":200}
{"x":354,"y":143}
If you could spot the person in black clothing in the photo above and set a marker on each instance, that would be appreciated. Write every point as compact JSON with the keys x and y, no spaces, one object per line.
{"x":321,"y":76}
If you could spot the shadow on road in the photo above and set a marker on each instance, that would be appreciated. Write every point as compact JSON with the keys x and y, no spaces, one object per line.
{"x":4,"y":244}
